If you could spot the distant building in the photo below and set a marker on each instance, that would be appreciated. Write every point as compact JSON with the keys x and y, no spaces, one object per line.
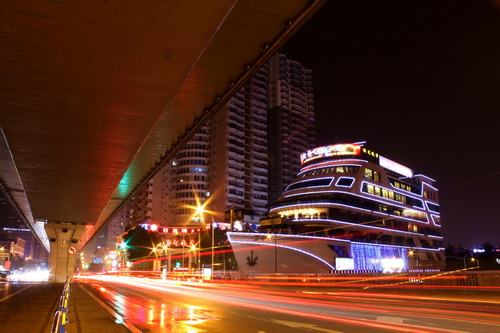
{"x":291,"y":121}
{"x":185,"y":181}
{"x":246,"y":155}
{"x":349,"y":208}
{"x":13,"y":228}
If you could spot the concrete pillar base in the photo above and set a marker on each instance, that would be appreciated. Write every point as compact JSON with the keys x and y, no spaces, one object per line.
{"x":63,"y":239}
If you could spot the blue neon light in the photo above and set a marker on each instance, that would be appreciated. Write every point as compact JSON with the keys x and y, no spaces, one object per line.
{"x":369,"y":256}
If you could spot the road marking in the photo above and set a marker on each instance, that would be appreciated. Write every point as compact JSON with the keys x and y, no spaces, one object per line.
{"x":394,"y":320}
{"x":303,"y":325}
{"x":119,"y":318}
{"x":17,"y":292}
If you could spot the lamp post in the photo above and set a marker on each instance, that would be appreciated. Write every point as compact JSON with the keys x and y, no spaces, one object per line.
{"x":201,"y":211}
{"x":155,"y":263}
{"x":473,"y":259}
{"x":167,"y":252}
{"x":411,"y":253}
{"x":269,"y":236}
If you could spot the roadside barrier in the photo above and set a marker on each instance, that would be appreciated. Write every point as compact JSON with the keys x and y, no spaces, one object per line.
{"x":61,"y":313}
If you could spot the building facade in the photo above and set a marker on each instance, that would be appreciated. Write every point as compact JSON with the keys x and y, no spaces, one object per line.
{"x":349,"y":208}
{"x":291,"y":120}
{"x":246,"y":155}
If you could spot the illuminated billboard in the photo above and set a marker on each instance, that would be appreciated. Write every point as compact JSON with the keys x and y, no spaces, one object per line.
{"x":396,"y":167}
{"x":343,"y":264}
{"x":328,"y":151}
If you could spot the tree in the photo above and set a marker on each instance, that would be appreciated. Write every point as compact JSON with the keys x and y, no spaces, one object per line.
{"x":487,"y":247}
{"x":140,"y":242}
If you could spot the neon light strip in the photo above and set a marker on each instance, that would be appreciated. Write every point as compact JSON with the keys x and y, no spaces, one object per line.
{"x":405,"y":191}
{"x":286,"y":247}
{"x":429,"y":185}
{"x":335,"y":204}
{"x":329,"y":204}
{"x":424,"y":176}
{"x":354,"y":194}
{"x":432,"y":210}
{"x":436,"y":237}
{"x":253,"y":234}
{"x":330,"y":164}
{"x":229,"y":234}
{"x":353,"y":180}
{"x":308,"y":180}
{"x":364,"y":226}
{"x":403,"y":246}
{"x":434,"y":221}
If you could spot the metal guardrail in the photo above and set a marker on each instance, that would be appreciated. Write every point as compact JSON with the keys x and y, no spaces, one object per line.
{"x":60,"y":315}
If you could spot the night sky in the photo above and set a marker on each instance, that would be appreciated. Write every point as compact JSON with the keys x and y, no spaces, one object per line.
{"x":419,"y":81}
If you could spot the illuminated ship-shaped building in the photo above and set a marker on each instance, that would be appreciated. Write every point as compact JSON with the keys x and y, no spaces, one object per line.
{"x":348,"y":209}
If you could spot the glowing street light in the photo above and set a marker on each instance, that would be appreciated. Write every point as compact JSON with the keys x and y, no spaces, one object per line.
{"x":200,"y":210}
{"x":414,"y":255}
{"x":269,"y":236}
{"x":473,"y":259}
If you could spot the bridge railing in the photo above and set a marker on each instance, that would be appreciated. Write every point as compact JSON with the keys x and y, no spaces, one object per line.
{"x":61,"y":313}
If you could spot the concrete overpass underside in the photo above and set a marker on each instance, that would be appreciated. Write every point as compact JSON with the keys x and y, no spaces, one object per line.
{"x":95,"y":96}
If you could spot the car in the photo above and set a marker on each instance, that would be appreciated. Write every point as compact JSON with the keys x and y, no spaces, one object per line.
{"x":4,"y":275}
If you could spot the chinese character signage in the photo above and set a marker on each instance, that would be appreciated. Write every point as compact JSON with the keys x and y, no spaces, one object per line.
{"x":327,"y":151}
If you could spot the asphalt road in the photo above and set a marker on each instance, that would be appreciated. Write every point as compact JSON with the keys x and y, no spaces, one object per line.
{"x":146,"y":305}
{"x":27,"y":307}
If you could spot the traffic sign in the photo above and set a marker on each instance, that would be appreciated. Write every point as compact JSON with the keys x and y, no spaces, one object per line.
{"x":72,"y":250}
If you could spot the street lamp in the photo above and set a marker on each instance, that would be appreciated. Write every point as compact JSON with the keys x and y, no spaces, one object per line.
{"x":411,"y":253}
{"x":201,"y":211}
{"x":473,"y":259}
{"x":194,"y":248}
{"x":269,"y":236}
{"x":155,"y":264}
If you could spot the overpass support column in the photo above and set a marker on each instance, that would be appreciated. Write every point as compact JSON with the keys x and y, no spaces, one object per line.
{"x":63,"y":239}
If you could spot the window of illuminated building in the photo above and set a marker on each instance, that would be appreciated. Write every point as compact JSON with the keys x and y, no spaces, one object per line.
{"x":369,"y":173}
{"x":369,"y":189}
{"x":377,"y":190}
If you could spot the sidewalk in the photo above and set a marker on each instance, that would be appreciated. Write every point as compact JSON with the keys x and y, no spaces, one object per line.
{"x":31,"y":310}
